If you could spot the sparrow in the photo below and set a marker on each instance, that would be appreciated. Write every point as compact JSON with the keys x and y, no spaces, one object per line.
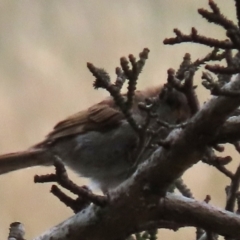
{"x":98,"y":142}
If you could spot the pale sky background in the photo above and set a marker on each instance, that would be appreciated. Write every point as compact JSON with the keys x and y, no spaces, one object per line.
{"x":44,"y":47}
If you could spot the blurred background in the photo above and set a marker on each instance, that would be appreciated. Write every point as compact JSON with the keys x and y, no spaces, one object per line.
{"x":44,"y":47}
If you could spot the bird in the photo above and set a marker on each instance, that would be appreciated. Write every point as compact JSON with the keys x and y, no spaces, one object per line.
{"x":98,"y":142}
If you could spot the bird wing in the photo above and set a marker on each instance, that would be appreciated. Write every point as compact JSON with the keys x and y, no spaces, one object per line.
{"x":96,"y":118}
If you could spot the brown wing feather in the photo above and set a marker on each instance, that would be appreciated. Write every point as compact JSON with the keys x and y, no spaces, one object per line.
{"x":94,"y":118}
{"x":102,"y":115}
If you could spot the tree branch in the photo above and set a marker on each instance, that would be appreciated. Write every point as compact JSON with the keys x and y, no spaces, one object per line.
{"x":194,"y":213}
{"x":229,"y":132}
{"x":184,"y":211}
{"x":138,"y":197}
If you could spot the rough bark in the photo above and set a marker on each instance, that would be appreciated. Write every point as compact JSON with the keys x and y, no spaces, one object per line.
{"x":137,"y":201}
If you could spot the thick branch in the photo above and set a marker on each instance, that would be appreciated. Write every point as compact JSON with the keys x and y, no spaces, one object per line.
{"x":229,"y":132}
{"x":199,"y":214}
{"x":184,"y":211}
{"x":134,"y":203}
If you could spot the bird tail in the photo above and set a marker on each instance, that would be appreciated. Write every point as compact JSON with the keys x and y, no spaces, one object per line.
{"x":18,"y":160}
